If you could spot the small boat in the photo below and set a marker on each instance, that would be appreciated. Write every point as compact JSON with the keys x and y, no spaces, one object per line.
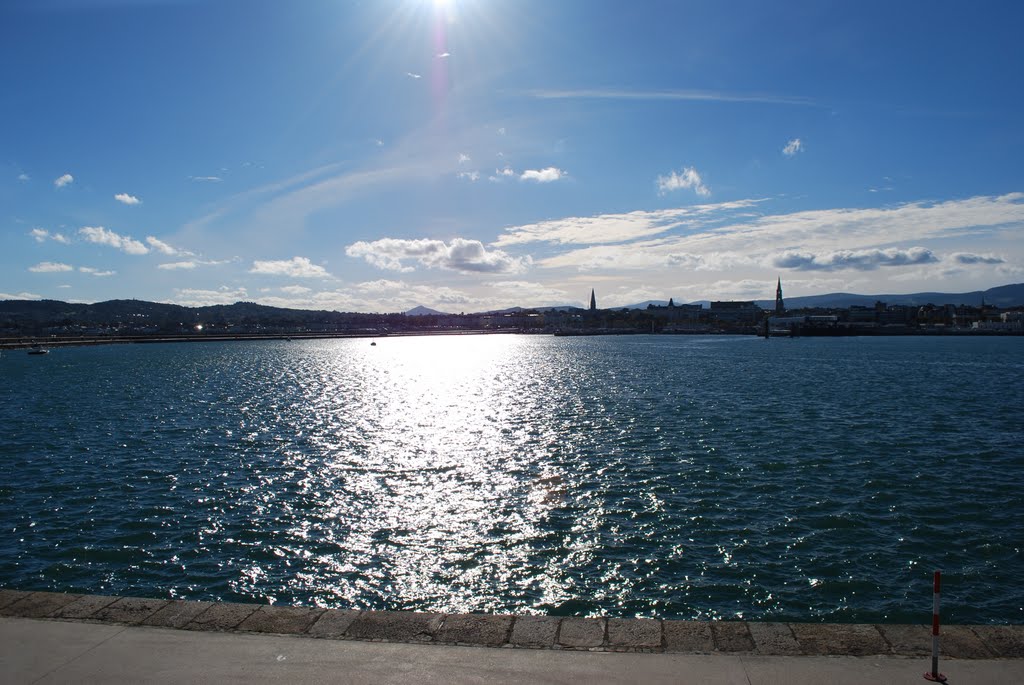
{"x":373,"y":344}
{"x":38,"y":350}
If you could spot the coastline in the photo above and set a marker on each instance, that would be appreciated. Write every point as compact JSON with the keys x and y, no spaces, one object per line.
{"x":599,"y":634}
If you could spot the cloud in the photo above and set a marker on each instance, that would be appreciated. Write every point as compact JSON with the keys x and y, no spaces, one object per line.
{"x":412,"y":75}
{"x":467,"y":256}
{"x":296,"y":267}
{"x":687,"y":178}
{"x":63,"y":180}
{"x":20,"y":296}
{"x":125,"y":198}
{"x":792,"y":147}
{"x":968,"y":258}
{"x":692,"y":95}
{"x":470,"y":175}
{"x":464,"y":158}
{"x":162,"y":247}
{"x":443,"y":55}
{"x":193,"y":297}
{"x":614,"y":228}
{"x":42,"y":235}
{"x":296,"y":289}
{"x":546,"y":175}
{"x":102,"y":236}
{"x":208,"y":179}
{"x":861,"y":260}
{"x":50,"y":267}
{"x":95,"y":272}
{"x":24,"y":177}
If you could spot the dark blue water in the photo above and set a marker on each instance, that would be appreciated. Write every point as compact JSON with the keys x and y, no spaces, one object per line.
{"x":676,"y":477}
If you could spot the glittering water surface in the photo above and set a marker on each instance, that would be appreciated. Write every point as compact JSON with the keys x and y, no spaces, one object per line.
{"x":678,"y":477}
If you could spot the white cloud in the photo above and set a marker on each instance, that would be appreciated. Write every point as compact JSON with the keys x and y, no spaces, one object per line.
{"x":162,"y":247}
{"x":613,"y":228}
{"x":501,"y":131}
{"x":296,"y":289}
{"x":444,"y":55}
{"x":95,"y":272}
{"x":458,"y":255}
{"x":471,"y":176}
{"x":545,"y":175}
{"x":63,"y":180}
{"x":42,"y":235}
{"x":861,"y":260}
{"x":50,"y":267}
{"x":464,"y":158}
{"x":207,"y":179}
{"x":178,"y":266}
{"x":792,"y":147}
{"x":696,"y":95}
{"x":127,"y":199}
{"x":103,"y":236}
{"x":296,"y":267}
{"x":20,"y":296}
{"x":24,"y":177}
{"x":412,"y":75}
{"x":687,"y":178}
{"x":193,"y":297}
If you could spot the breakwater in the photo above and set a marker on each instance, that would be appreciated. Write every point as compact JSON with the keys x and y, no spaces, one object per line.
{"x":526,"y":632}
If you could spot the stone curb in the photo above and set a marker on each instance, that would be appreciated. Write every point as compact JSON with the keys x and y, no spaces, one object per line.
{"x":526,"y":632}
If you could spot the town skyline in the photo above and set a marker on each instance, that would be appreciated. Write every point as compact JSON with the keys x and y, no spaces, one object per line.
{"x":474,"y":156}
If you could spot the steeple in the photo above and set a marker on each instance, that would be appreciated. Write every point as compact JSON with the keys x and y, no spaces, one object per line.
{"x":593,"y":301}
{"x":780,"y":308}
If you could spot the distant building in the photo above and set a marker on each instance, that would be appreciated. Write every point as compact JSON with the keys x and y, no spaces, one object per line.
{"x":593,"y":301}
{"x":780,"y":307}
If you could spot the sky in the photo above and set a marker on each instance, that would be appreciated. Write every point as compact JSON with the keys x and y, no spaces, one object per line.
{"x":468,"y":155}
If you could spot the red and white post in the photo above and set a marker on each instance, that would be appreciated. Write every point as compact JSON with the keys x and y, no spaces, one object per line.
{"x":934,"y":674}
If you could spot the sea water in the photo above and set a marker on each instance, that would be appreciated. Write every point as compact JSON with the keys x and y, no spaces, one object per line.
{"x":661,"y":476}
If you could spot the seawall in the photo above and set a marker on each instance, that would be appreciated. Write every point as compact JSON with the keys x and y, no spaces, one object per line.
{"x":525,"y":632}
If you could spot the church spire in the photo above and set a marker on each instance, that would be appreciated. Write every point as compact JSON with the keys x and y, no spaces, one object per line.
{"x":780,"y":307}
{"x":593,"y":301}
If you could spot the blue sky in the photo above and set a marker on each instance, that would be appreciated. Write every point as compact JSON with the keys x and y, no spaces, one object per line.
{"x":476,"y":154}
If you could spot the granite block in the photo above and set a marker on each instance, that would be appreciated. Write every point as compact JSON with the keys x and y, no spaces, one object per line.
{"x":396,"y":626}
{"x":823,"y":639}
{"x":688,"y":636}
{"x":333,"y":623}
{"x":774,"y":639}
{"x":634,"y":633}
{"x":284,"y":620}
{"x":8,"y":597}
{"x":222,"y":616}
{"x":39,"y":604}
{"x":907,"y":639}
{"x":535,"y":631}
{"x":732,"y":636}
{"x":581,"y":633}
{"x":85,"y":606}
{"x":131,"y":610}
{"x":475,"y":629}
{"x":177,"y":614}
{"x":1005,"y":641}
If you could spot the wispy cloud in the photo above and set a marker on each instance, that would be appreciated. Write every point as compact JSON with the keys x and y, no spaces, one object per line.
{"x":95,"y":272}
{"x":206,"y":179}
{"x":103,"y":236}
{"x":459,"y":255}
{"x":968,"y":258}
{"x":50,"y":268}
{"x":687,"y":178}
{"x":296,"y":267}
{"x":63,"y":180}
{"x":464,"y":158}
{"x":163,"y":248}
{"x":444,"y":55}
{"x":692,"y":95}
{"x":24,"y":177}
{"x":198,"y":297}
{"x":472,"y":176}
{"x":190,"y":264}
{"x":126,"y":199}
{"x":792,"y":147}
{"x":412,"y":75}
{"x":545,"y":175}
{"x":41,"y":235}
{"x":20,"y":296}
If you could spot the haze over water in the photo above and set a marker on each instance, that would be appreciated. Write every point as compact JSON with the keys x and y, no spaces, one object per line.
{"x":675,"y":477}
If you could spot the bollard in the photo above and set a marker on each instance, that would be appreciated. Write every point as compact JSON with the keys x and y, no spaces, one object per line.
{"x":934,"y":674}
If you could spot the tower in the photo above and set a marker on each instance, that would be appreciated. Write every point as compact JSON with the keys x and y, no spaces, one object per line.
{"x":780,"y":308}
{"x":593,"y":301}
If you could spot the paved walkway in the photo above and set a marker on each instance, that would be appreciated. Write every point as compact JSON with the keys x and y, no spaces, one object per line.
{"x":58,"y":638}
